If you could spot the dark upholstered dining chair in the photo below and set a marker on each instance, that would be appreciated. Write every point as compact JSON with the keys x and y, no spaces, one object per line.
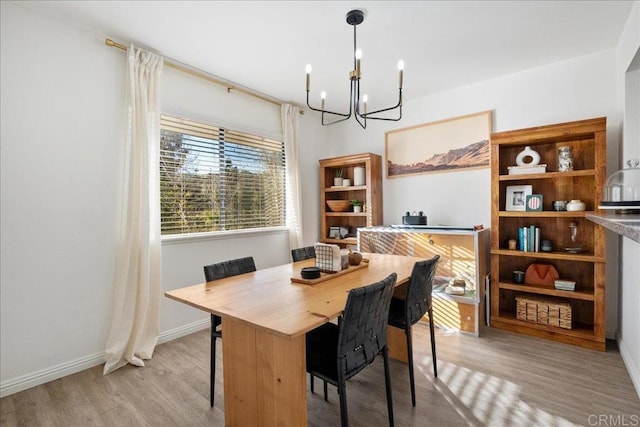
{"x":303,"y":253}
{"x":405,"y":313}
{"x":336,"y":353}
{"x":218,"y":271}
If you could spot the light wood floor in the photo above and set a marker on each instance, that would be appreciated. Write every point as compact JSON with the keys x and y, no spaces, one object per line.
{"x":499,"y":379}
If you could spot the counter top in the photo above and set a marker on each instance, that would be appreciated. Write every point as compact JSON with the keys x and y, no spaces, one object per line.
{"x":430,"y":229}
{"x":625,"y":225}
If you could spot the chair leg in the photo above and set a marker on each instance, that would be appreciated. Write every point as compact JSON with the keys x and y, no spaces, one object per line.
{"x":387,"y":381}
{"x":412,"y":383}
{"x":433,"y":343}
{"x":212,"y":372}
{"x":342,"y":391}
{"x":324,"y":387}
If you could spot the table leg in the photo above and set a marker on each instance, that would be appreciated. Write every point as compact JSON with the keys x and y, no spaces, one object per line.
{"x":264,"y":377}
{"x":397,"y":343}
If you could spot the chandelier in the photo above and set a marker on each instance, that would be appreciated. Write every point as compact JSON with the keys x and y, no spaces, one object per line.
{"x":357,"y":109}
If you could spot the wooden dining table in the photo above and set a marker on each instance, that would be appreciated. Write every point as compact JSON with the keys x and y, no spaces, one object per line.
{"x":265,"y":316}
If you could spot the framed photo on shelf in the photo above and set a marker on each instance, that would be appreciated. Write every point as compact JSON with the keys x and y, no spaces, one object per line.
{"x":534,"y":203}
{"x":516,"y":197}
{"x":334,"y":232}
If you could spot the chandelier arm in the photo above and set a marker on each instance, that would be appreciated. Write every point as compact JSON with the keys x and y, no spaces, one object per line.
{"x":345,"y":116}
{"x":397,"y":106}
{"x":320,"y":110}
{"x":335,"y":121}
{"x":386,"y":119}
{"x":362,"y":124}
{"x":356,"y":105}
{"x":369,"y":115}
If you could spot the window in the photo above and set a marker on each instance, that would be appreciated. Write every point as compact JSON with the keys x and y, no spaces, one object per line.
{"x":215,"y":179}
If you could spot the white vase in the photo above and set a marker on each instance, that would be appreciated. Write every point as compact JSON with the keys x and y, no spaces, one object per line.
{"x":346,"y":182}
{"x":358,"y":176}
{"x":357,"y":208}
{"x":528,"y":152}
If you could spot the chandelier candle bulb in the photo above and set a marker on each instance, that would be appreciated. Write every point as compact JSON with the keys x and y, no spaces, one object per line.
{"x":358,"y":56}
{"x":400,"y":72}
{"x":308,"y":69}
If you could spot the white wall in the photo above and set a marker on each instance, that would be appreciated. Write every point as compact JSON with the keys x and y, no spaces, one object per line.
{"x":61,"y":94}
{"x":628,"y":73}
{"x":62,"y":114}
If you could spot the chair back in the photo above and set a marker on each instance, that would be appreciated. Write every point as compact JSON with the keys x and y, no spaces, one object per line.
{"x":363,"y":329}
{"x":229,"y":268}
{"x":303,"y":253}
{"x":420,"y":287}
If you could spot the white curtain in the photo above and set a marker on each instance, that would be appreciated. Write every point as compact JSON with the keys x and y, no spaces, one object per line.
{"x":289,"y":115}
{"x":137,"y":293}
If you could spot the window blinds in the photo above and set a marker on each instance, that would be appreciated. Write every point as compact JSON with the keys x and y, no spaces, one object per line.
{"x":216,"y":179}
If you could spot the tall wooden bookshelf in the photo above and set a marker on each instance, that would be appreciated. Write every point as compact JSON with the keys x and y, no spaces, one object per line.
{"x":370,"y":194}
{"x":587,"y":138}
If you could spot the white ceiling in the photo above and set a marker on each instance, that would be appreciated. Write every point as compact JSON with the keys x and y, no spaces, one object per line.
{"x":265,"y":45}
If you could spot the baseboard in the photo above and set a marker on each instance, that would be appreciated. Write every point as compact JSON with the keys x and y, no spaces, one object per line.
{"x":182,"y":331}
{"x":632,"y":368}
{"x":24,"y":382}
{"x":53,"y":373}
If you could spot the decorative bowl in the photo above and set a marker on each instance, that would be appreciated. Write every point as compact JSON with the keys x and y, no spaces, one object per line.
{"x":339,"y":205}
{"x":310,"y":273}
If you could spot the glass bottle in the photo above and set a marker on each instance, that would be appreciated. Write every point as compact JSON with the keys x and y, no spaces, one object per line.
{"x":575,"y":238}
{"x":565,"y":159}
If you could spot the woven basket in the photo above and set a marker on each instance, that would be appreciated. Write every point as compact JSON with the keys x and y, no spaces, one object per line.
{"x":545,"y":311}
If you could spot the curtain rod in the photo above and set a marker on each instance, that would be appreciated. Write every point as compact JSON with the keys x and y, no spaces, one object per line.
{"x":206,"y":76}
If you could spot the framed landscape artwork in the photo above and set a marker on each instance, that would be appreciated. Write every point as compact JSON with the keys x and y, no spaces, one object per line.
{"x":460,"y":143}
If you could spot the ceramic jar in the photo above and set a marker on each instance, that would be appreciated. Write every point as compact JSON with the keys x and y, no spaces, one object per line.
{"x":565,"y":159}
{"x":359,"y":175}
{"x":575,"y":205}
{"x":560,"y":205}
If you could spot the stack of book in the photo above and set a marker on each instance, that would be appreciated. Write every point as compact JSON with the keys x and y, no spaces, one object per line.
{"x":521,"y":170}
{"x":529,"y":238}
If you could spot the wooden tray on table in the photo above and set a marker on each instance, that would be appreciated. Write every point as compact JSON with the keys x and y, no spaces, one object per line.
{"x":326,"y":276}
